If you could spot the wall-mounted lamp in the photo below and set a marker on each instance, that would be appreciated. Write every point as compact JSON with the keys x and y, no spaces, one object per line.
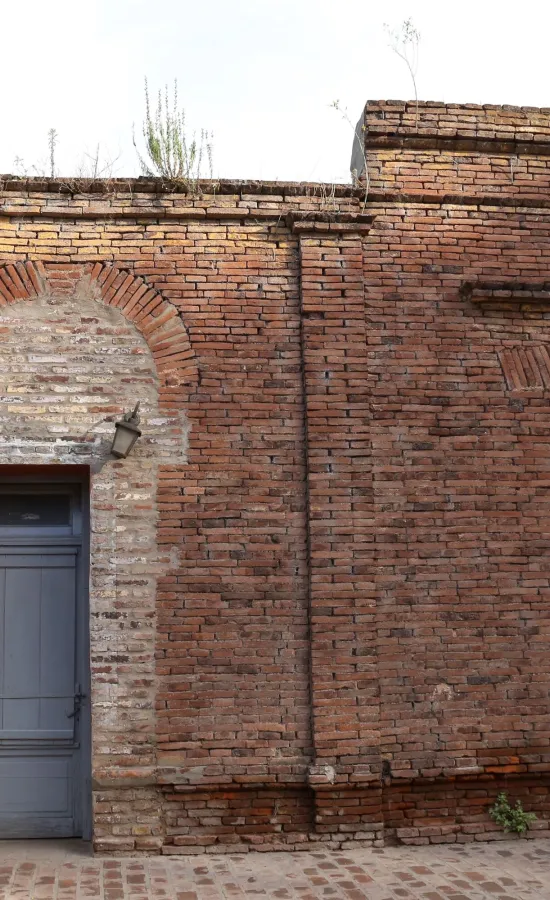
{"x":126,"y":433}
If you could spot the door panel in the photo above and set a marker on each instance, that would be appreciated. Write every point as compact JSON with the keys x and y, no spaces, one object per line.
{"x":37,"y":669}
{"x":21,"y":632}
{"x":39,"y":751}
{"x":36,"y":796}
{"x":57,"y":631}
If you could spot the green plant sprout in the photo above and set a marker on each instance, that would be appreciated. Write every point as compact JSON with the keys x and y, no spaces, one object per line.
{"x":511,"y":818}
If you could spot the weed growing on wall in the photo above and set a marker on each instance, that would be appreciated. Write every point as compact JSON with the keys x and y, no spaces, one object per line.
{"x":52,"y":143}
{"x":44,"y":168}
{"x":405,"y":42}
{"x":91,"y":167}
{"x":511,"y":818}
{"x":169,"y":151}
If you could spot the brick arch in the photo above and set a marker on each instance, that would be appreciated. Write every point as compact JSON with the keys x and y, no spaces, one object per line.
{"x":156,"y":318}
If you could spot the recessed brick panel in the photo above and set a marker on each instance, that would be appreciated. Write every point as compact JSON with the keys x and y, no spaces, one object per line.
{"x":526,"y":367}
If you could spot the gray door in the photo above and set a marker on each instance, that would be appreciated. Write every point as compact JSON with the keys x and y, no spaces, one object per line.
{"x":40,"y":715}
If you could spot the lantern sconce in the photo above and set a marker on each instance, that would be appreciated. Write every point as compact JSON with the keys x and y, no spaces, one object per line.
{"x":126,"y":433}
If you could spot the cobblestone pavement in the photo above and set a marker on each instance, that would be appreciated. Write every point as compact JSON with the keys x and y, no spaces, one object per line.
{"x":63,"y":870}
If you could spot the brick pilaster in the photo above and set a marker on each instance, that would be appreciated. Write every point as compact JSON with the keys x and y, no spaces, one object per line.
{"x":345,"y":704}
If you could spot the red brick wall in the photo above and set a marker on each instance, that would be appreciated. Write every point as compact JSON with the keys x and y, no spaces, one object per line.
{"x":457,"y":310}
{"x":351,"y":560}
{"x":452,"y":149}
{"x":232,"y":650}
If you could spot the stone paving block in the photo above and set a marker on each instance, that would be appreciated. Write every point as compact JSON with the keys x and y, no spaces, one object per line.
{"x":65,"y":870}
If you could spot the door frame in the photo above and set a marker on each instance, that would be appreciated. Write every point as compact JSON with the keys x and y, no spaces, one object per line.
{"x":79,"y":482}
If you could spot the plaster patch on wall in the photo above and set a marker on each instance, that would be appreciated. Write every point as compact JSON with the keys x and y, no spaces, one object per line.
{"x":70,"y":366}
{"x":441,"y":694}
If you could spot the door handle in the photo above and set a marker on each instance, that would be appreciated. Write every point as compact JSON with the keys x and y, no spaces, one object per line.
{"x":78,"y":698}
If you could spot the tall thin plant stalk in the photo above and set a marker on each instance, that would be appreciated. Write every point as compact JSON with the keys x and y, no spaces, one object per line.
{"x":359,"y":133}
{"x":405,"y":43}
{"x":52,"y":143}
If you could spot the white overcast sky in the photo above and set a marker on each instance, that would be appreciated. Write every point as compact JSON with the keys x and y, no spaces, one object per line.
{"x":260,"y":74}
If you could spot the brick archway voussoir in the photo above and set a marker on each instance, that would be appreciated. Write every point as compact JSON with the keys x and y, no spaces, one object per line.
{"x":156,"y":318}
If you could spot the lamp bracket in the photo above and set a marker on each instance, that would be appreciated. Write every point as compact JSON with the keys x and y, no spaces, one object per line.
{"x":132,"y":417}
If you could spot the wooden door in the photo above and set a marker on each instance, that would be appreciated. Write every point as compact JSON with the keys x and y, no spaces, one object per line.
{"x":42,"y":699}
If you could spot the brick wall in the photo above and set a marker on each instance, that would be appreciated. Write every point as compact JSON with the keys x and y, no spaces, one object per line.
{"x":458,"y":313}
{"x":335,"y":629}
{"x":458,"y":149}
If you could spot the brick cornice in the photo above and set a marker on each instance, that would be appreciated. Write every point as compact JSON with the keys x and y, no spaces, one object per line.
{"x":456,"y":142}
{"x":301,"y":222}
{"x":298,"y":221}
{"x":536,"y":292}
{"x":437,"y":198}
{"x":157,"y":186}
